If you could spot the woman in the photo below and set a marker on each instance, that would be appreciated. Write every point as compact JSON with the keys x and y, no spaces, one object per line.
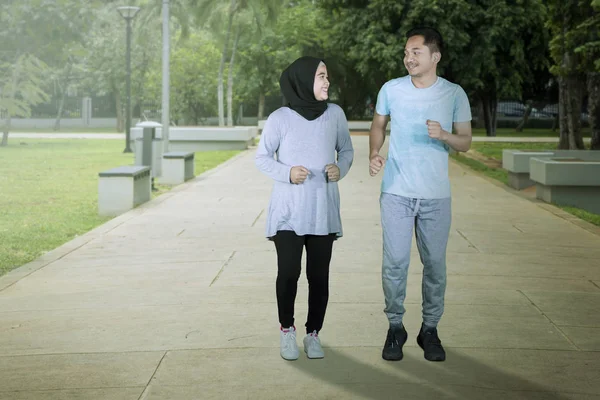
{"x":304,"y":210}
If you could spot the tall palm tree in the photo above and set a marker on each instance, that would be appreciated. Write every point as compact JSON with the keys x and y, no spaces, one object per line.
{"x":211,"y":12}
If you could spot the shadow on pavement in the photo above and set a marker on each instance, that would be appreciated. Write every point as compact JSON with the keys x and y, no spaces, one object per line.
{"x":459,"y":377}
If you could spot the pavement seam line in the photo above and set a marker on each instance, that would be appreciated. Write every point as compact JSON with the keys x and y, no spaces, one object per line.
{"x":145,"y":391}
{"x":514,"y":226}
{"x":551,"y":322}
{"x":257,"y":217}
{"x":86,"y":388}
{"x":468,"y":241}
{"x":222,"y":268}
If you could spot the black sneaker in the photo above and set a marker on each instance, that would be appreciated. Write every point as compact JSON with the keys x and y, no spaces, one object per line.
{"x":431,"y":344}
{"x":392,"y":349}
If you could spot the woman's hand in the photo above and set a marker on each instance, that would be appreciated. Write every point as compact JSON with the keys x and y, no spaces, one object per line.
{"x":333,"y":172}
{"x":298,"y":174}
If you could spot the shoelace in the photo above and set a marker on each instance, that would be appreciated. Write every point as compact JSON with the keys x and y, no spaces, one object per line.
{"x":392,"y":339}
{"x":291,"y":334}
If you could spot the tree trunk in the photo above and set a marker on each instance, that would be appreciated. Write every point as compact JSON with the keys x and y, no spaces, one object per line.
{"x":555,"y":123}
{"x":563,"y":142}
{"x":490,"y":106}
{"x":222,"y":65}
{"x":261,"y":105}
{"x":61,"y":107}
{"x":593,"y":86}
{"x":119,"y":107}
{"x":230,"y":79}
{"x":574,"y":99}
{"x":523,"y":122}
{"x":12,"y":95}
{"x":63,"y":87}
{"x":480,"y":124}
{"x":5,"y":132}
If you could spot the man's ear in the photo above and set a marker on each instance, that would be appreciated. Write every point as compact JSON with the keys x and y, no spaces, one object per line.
{"x":437,"y":57}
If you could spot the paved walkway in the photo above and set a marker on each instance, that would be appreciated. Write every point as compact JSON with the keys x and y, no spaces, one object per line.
{"x":176,"y":300}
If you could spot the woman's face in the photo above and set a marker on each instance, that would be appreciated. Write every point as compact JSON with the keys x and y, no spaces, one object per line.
{"x":321,"y":86}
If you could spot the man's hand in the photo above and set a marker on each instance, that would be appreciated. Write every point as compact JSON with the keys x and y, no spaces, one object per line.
{"x":435,"y":130}
{"x":376,"y":163}
{"x":333,"y":172}
{"x":298,"y":174}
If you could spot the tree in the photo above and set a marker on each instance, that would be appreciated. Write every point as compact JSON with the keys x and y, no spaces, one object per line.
{"x":573,"y":49}
{"x":481,"y":53}
{"x":20,"y":88}
{"x":589,"y":50}
{"x":64,"y":51}
{"x":194,"y":74}
{"x":22,"y":73}
{"x":265,"y":52}
{"x":262,"y":12}
{"x":104,"y":66}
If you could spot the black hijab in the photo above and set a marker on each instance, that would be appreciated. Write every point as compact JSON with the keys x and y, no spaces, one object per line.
{"x":297,"y":85}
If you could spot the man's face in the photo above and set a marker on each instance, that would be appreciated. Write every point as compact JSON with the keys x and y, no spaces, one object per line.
{"x":418,"y":59}
{"x":321,"y":86}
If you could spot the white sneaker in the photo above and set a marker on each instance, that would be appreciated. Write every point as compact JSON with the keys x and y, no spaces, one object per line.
{"x":312,"y":346}
{"x":287,"y":343}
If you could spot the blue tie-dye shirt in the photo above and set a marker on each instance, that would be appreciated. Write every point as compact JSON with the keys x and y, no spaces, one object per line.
{"x":417,"y":165}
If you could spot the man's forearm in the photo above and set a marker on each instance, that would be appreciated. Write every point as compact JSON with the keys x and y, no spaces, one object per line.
{"x":376,"y":139}
{"x":457,"y":142}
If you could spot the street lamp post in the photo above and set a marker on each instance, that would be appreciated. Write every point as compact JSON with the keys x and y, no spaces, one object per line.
{"x":129,"y":14}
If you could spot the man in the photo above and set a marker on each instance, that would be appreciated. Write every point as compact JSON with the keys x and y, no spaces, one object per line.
{"x":415,"y":191}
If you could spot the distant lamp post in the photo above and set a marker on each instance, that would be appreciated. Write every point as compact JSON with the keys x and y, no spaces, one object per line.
{"x":129,"y":14}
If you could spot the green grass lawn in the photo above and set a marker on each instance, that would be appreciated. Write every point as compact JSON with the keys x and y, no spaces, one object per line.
{"x":64,"y":130}
{"x":49,"y":192}
{"x":507,"y":132}
{"x":494,"y":150}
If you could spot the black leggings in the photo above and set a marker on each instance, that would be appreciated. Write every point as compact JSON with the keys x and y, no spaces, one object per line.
{"x":289,"y":248}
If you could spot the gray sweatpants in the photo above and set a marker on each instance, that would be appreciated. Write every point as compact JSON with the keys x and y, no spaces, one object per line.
{"x":431,"y":220}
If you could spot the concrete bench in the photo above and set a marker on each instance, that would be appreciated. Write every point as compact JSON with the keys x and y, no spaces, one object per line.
{"x":516,"y":162}
{"x":204,"y":138}
{"x":177,"y":167}
{"x":567,"y":181}
{"x":122,"y":189}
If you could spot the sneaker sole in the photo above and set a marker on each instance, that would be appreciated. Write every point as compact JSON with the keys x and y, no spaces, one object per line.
{"x":314,"y":358}
{"x":288,"y":359}
{"x":392,"y":358}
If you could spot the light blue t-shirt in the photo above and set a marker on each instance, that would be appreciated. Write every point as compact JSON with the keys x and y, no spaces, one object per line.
{"x":417,"y":165}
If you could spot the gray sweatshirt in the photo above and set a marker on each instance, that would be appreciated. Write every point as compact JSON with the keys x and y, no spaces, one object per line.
{"x":312,"y":207}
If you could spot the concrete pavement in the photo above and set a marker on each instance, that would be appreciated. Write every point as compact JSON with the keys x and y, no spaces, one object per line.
{"x":176,"y":300}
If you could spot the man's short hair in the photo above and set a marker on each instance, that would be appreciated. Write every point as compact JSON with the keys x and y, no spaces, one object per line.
{"x":433,"y":39}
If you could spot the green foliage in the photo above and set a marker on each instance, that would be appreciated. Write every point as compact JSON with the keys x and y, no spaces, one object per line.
{"x":265,"y":52}
{"x":21,"y":85}
{"x":575,"y":29}
{"x":491,"y":46}
{"x":195,"y":65}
